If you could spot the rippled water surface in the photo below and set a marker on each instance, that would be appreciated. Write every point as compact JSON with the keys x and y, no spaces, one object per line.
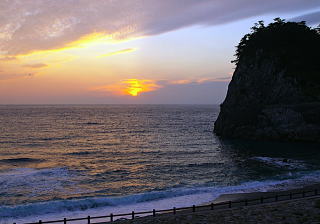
{"x":84,"y":157}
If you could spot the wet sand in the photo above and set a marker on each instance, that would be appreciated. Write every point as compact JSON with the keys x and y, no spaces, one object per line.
{"x":253,"y":195}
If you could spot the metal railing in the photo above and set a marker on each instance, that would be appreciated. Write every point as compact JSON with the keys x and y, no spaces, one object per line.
{"x":192,"y":209}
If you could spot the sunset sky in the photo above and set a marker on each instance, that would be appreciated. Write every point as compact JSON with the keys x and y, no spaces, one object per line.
{"x":128,"y":51}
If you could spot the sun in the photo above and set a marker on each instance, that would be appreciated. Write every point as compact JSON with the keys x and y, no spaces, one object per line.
{"x":134,"y":87}
{"x":131,"y":87}
{"x":134,"y":91}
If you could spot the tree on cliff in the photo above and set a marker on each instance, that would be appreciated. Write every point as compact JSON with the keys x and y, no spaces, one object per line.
{"x":295,"y":45}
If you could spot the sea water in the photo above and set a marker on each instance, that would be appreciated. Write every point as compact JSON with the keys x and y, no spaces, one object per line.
{"x":72,"y":161}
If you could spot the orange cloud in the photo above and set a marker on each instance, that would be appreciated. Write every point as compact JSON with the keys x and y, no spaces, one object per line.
{"x":14,"y":76}
{"x":8,"y":58}
{"x":132,"y":87}
{"x":37,"y":65}
{"x":181,"y":82}
{"x":118,"y":52}
{"x":82,"y":42}
{"x":199,"y":81}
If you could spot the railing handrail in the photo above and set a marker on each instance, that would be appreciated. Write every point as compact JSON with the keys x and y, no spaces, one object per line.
{"x":193,"y":207}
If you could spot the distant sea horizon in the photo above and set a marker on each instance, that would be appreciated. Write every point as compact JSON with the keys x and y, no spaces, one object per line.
{"x":97,"y":104}
{"x":74,"y":160}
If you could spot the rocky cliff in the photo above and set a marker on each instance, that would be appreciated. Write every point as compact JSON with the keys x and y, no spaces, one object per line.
{"x":275,"y":89}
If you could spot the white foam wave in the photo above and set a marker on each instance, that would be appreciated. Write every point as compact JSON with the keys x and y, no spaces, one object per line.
{"x":178,"y":197}
{"x":34,"y":181}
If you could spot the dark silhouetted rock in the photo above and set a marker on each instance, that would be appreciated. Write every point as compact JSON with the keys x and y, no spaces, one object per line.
{"x":275,"y":89}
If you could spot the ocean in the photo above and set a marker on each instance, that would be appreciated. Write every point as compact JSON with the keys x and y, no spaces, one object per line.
{"x":72,"y":161}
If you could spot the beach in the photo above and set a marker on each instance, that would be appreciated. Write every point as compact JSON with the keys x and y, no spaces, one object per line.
{"x":299,"y":210}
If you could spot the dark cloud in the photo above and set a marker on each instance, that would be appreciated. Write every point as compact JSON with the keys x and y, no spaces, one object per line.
{"x":27,"y":26}
{"x":311,"y":18}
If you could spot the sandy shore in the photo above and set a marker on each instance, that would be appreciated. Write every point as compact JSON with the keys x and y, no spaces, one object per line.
{"x":300,"y":210}
{"x":243,"y":196}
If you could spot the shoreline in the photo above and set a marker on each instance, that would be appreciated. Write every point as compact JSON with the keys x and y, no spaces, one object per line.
{"x":296,"y":210}
{"x":253,"y":195}
{"x":235,"y":197}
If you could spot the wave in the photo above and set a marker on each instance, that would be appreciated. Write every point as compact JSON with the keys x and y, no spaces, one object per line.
{"x":171,"y":197}
{"x":21,"y":160}
{"x":91,"y":123}
{"x":29,"y":172}
{"x":281,"y":162}
{"x":57,"y":138}
{"x":81,"y":153}
{"x":206,"y":165}
{"x":35,"y":183}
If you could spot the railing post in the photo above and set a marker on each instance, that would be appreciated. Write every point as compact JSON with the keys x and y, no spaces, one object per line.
{"x":174,"y":210}
{"x":64,"y":221}
{"x":88,"y":219}
{"x":303,"y":194}
{"x":290,"y":195}
{"x":154,"y":212}
{"x":261,"y":200}
{"x":316,"y":192}
{"x":132,"y":214}
{"x":40,"y":221}
{"x":211,"y":206}
{"x":193,"y":208}
{"x":276,"y":197}
{"x":230,"y":204}
{"x":111,"y":217}
{"x":246,"y":202}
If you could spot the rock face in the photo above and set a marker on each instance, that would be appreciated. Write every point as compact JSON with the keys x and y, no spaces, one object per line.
{"x":265,"y":101}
